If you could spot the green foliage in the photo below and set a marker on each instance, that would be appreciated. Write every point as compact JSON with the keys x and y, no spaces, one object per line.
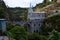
{"x":50,"y":24}
{"x":8,"y":33}
{"x":25,"y":27}
{"x":44,"y":30}
{"x":55,"y":20}
{"x":9,"y":26}
{"x":2,"y":9}
{"x":35,"y":36}
{"x":18,"y":13}
{"x":41,"y":5}
{"x":54,"y":35}
{"x":45,"y":1}
{"x":54,"y":1}
{"x":1,"y":12}
{"x":18,"y":33}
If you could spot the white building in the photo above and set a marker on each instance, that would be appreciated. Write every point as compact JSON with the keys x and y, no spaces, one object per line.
{"x":35,"y":20}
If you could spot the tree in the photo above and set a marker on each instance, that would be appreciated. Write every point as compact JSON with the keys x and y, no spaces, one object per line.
{"x":3,"y":10}
{"x":35,"y":36}
{"x":19,"y":33}
{"x":9,"y":26}
{"x":54,"y":35}
{"x":45,"y":1}
{"x":9,"y":34}
{"x":55,"y":20}
{"x":54,"y":0}
{"x":50,"y":24}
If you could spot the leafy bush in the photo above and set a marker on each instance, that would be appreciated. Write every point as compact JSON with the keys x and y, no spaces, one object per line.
{"x":18,"y":33}
{"x":35,"y":36}
{"x":9,"y":26}
{"x":54,"y":35}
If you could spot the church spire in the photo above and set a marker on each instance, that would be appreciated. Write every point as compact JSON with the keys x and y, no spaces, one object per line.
{"x":30,"y":10}
{"x":31,"y":6}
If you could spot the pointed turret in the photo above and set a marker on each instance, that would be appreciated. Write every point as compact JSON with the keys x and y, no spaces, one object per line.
{"x":30,"y":10}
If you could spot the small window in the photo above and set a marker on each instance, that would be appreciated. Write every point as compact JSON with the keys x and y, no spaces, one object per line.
{"x":28,"y":25}
{"x":39,"y":24}
{"x":34,"y":30}
{"x":34,"y":24}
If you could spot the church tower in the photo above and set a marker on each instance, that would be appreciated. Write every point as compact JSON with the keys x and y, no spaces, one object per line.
{"x":30,"y":11}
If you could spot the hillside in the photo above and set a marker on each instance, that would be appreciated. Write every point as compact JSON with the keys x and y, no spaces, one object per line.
{"x":41,"y":5}
{"x":18,"y":13}
{"x":47,"y":7}
{"x":21,"y":13}
{"x":51,"y":8}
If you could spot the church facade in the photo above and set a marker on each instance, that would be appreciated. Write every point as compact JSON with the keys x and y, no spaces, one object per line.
{"x":35,"y":20}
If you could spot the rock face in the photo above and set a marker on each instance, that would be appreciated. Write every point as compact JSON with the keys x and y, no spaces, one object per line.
{"x":58,"y":1}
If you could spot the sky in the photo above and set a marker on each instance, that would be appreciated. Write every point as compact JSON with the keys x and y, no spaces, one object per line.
{"x":22,"y":3}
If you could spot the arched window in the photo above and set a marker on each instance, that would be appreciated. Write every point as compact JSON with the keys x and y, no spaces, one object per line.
{"x":39,"y":24}
{"x":34,"y":24}
{"x":34,"y":30}
{"x":28,"y":25}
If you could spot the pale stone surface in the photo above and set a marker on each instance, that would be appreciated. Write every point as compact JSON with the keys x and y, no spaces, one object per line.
{"x":4,"y":38}
{"x":58,"y":1}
